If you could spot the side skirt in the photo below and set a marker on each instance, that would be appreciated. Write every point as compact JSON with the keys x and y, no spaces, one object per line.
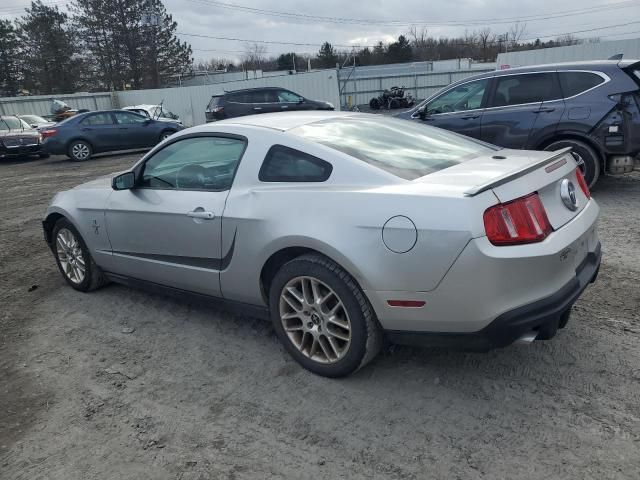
{"x":247,"y":309}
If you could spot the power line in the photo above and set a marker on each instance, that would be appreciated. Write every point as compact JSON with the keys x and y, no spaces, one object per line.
{"x":301,"y":44}
{"x":360,"y":21}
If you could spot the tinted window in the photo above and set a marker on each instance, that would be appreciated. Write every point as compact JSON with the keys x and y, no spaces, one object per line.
{"x":215,"y":101}
{"x":405,"y":149}
{"x":124,"y":118}
{"x":201,"y":163}
{"x":98,"y":119}
{"x":284,"y":164}
{"x":238,"y":97}
{"x":529,"y":88}
{"x":285,"y":96}
{"x":573,"y":83}
{"x":463,"y":97}
{"x":262,"y":96}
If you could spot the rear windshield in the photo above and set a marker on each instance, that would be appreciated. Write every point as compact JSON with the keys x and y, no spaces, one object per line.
{"x":215,"y":101}
{"x":403,"y":148}
{"x":11,"y":123}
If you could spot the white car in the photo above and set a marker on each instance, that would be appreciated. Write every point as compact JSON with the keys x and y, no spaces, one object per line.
{"x":156,"y":112}
{"x":344,"y":228}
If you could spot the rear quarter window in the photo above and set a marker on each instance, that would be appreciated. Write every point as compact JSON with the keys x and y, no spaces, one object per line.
{"x":574,"y":83}
{"x":284,"y":164}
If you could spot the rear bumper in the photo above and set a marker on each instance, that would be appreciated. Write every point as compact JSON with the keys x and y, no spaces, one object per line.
{"x":21,"y":151}
{"x":539,"y":316}
{"x":54,"y":146}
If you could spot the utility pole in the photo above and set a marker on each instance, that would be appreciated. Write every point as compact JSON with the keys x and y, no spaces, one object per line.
{"x":151,"y":19}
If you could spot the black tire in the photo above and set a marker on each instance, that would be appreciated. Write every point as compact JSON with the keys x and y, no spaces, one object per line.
{"x":79,"y":151}
{"x":374,"y":104}
{"x":591,"y":160}
{"x":564,"y":318}
{"x":93,"y":277}
{"x":394,"y":103}
{"x":366,"y":334}
{"x":43,"y":155}
{"x":166,"y":134}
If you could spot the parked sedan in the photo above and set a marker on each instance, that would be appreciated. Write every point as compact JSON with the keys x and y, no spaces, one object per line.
{"x":19,"y":139}
{"x":84,"y":134}
{"x":343,"y":228}
{"x":251,"y":101}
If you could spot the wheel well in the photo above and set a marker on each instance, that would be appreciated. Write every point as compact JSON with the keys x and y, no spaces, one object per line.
{"x":48,"y":225}
{"x":569,"y":136}
{"x":273,"y":264}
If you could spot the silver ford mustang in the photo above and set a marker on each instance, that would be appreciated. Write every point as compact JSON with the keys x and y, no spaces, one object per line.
{"x":345,"y":229}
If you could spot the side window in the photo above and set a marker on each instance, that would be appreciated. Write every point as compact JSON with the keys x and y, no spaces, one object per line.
{"x":125,"y":118}
{"x":573,"y":83}
{"x":463,"y":97}
{"x":284,"y":164}
{"x":527,"y":88}
{"x":284,"y":96}
{"x":98,"y":119}
{"x":238,"y":98}
{"x":257,"y":96}
{"x":198,"y":163}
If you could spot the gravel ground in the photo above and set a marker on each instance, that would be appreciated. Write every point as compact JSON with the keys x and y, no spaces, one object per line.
{"x":124,"y":384}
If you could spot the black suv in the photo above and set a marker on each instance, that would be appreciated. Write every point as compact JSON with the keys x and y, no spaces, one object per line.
{"x":259,"y":100}
{"x":593,"y":107}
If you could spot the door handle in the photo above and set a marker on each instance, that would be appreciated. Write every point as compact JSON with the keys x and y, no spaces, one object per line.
{"x":470,"y":117}
{"x":201,"y":214}
{"x":257,"y":108}
{"x":284,"y":107}
{"x":544,"y":109}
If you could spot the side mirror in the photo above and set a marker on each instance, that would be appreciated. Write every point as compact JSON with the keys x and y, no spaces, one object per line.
{"x":422,"y":112}
{"x":148,"y":121}
{"x":124,"y":181}
{"x":34,"y":125}
{"x":301,"y":100}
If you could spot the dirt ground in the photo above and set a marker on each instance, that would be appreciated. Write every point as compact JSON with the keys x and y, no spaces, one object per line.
{"x":121,"y":383}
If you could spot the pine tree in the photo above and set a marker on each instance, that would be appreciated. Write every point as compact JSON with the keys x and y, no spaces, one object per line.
{"x":9,"y":54}
{"x":48,"y":56}
{"x":133,"y":42}
{"x":327,"y":57}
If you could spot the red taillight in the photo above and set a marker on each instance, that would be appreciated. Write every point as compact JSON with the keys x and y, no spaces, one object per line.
{"x":522,"y":220}
{"x":217,"y":109}
{"x":583,"y":183}
{"x":49,"y":132}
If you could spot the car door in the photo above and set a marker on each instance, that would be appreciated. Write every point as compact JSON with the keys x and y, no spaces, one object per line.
{"x":459,"y":109}
{"x":520,"y":108}
{"x":237,"y":104}
{"x":264,"y":101}
{"x":167,"y":229}
{"x":135,"y":130}
{"x":100,"y":130}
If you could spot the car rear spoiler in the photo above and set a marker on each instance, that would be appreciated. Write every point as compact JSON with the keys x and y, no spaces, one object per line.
{"x":516,"y":173}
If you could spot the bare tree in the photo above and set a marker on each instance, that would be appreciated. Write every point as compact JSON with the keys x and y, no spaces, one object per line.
{"x":419,"y":42}
{"x":516,"y":32}
{"x":254,"y":56}
{"x":486,"y":39}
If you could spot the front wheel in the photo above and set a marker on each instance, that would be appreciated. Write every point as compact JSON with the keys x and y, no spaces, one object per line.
{"x":322,"y":317}
{"x":586,"y":157}
{"x":79,"y":151}
{"x":73,"y":258}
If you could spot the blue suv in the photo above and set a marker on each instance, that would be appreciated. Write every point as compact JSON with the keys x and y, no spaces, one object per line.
{"x":593,"y":107}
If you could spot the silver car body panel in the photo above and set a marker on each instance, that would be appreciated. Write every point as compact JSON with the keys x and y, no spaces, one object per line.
{"x":465,"y":280}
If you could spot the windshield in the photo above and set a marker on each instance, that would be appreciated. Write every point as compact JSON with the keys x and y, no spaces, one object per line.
{"x":11,"y":123}
{"x":33,"y":119}
{"x":403,"y":148}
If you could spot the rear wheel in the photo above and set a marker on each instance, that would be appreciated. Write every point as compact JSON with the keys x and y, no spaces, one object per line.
{"x":43,"y":155}
{"x":586,"y":157}
{"x":79,"y":150}
{"x":322,"y":317}
{"x":73,"y":258}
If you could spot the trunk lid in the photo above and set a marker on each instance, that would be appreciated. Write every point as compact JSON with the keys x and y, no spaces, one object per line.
{"x":511,"y":174}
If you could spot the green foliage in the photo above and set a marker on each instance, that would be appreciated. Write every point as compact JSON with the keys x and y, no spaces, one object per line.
{"x":327,"y":57}
{"x":50,"y":63}
{"x":9,"y":58}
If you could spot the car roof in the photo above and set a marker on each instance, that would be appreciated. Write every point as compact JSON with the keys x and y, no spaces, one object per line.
{"x":247,"y":90}
{"x":579,"y":65}
{"x":141,"y":107}
{"x":284,"y":121}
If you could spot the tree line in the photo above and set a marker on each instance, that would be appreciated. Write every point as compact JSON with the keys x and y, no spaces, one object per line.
{"x":100,"y":45}
{"x":415,"y":45}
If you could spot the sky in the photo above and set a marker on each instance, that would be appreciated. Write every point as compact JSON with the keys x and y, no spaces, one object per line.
{"x":358,"y":22}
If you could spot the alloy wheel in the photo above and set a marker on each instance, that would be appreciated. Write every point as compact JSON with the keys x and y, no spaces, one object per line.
{"x":80,"y":151}
{"x":70,"y":256}
{"x":315,"y":319}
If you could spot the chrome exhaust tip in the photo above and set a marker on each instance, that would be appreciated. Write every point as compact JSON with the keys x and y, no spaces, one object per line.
{"x":527,"y":338}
